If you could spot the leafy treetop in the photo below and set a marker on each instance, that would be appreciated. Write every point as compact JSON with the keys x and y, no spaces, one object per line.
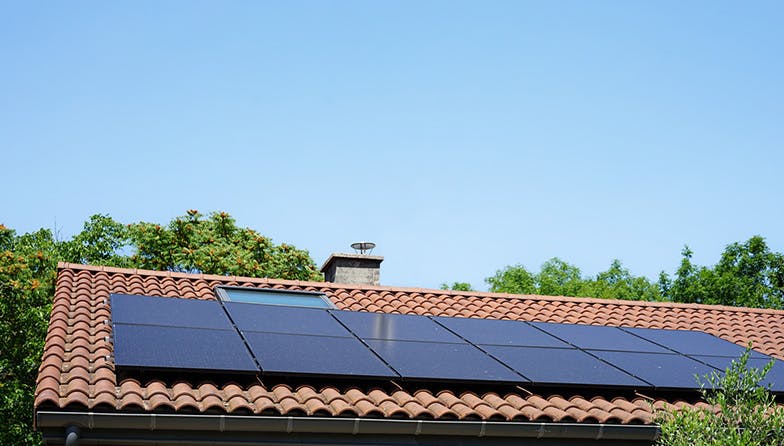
{"x":191,"y":243}
{"x":748,"y":274}
{"x":457,"y":286}
{"x":559,"y":278}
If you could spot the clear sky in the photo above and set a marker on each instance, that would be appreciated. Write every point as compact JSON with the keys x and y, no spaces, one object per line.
{"x":459,"y":136}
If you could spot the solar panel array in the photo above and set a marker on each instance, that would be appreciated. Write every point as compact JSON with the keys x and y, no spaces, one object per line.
{"x":152,"y":333}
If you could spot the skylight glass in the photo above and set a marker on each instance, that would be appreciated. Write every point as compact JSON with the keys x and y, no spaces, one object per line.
{"x":268,"y":296}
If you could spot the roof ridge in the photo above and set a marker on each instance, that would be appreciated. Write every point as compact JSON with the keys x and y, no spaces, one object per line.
{"x":482,"y":294}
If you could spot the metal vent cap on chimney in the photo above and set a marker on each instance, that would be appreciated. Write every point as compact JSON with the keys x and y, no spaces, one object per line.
{"x":360,"y":268}
{"x":363,"y":247}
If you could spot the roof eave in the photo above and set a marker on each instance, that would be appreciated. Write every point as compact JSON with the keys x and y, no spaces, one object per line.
{"x":156,"y":428}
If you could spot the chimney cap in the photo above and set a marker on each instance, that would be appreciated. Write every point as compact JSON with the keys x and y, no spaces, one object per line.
{"x":363,"y":247}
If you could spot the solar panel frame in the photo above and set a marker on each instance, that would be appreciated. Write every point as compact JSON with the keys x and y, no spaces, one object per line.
{"x":397,"y":327}
{"x":154,"y":347}
{"x":293,"y":355}
{"x":544,"y":366}
{"x":249,"y":317}
{"x":499,"y":332}
{"x":440,"y":361}
{"x":168,"y":312}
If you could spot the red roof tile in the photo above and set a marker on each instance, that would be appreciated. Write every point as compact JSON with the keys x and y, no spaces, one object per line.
{"x":77,"y":371}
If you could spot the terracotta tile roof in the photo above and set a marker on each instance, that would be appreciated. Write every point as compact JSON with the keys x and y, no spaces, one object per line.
{"x":77,"y":371}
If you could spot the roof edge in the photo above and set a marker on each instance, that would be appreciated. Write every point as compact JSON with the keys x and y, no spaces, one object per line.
{"x":354,"y":286}
{"x":51,"y":422}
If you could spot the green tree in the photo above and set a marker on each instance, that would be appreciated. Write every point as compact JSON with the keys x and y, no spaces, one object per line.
{"x":512,"y":279}
{"x":27,"y":273}
{"x":28,"y":265}
{"x":744,"y":412}
{"x":619,"y":283}
{"x":103,"y":241}
{"x":457,"y":286}
{"x":559,"y":278}
{"x":215,"y":245}
{"x":748,"y":274}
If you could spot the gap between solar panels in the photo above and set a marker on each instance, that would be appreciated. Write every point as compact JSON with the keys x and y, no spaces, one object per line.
{"x":171,"y":335}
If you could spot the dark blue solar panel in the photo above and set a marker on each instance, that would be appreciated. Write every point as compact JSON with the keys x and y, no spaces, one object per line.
{"x":440,"y":361}
{"x":600,"y":337}
{"x":156,"y":347}
{"x":495,"y":332}
{"x":558,"y":366}
{"x":399,"y":327}
{"x":692,"y":342}
{"x":663,"y":371}
{"x":287,"y":354}
{"x":774,"y":379}
{"x":282,"y":319}
{"x":168,"y":311}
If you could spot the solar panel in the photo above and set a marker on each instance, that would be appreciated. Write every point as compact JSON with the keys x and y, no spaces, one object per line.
{"x":156,"y":347}
{"x":774,"y":379}
{"x":441,"y":361}
{"x":599,"y":337}
{"x":495,"y":332}
{"x":168,"y":311}
{"x":288,"y":354}
{"x":692,"y":342}
{"x":663,"y":371}
{"x":281,"y":319}
{"x":401,"y":327}
{"x":558,"y":366}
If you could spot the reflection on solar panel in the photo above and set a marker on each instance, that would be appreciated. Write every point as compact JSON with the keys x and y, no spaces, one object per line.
{"x":692,"y":342}
{"x":280,"y":319}
{"x":440,"y":361}
{"x":191,"y":335}
{"x":289,"y":354}
{"x":169,"y":312}
{"x":196,"y":349}
{"x":664,"y":371}
{"x":549,"y":366}
{"x":494,"y":332}
{"x":395,"y":327}
{"x":599,"y":337}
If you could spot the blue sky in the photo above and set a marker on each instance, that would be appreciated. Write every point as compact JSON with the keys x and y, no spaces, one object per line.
{"x":459,"y":136}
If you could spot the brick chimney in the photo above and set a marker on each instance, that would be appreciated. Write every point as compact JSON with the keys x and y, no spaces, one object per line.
{"x":362,"y":269}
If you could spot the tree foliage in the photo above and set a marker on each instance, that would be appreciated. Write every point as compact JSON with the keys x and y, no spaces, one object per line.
{"x":457,"y":286}
{"x":191,"y":243}
{"x":559,"y":278}
{"x":28,"y":264}
{"x":748,"y":274}
{"x":27,"y":273}
{"x":742,"y":412}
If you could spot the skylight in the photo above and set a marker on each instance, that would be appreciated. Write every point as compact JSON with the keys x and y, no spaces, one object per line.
{"x":268,"y":296}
